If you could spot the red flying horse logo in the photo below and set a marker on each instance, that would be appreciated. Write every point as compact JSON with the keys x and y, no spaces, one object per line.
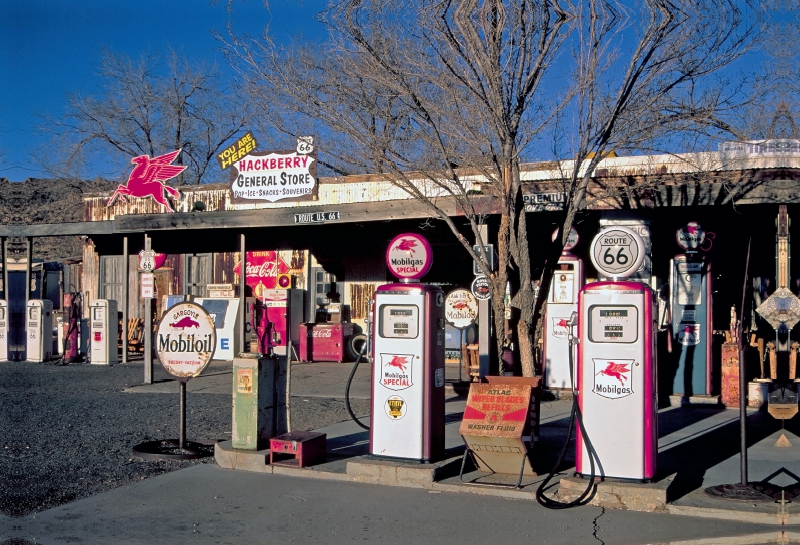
{"x":460,"y":305}
{"x":398,"y":361}
{"x":147,"y":179}
{"x":618,"y":371}
{"x":406,"y":245}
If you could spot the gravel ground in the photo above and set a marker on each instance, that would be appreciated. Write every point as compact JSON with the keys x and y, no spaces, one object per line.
{"x":67,"y":432}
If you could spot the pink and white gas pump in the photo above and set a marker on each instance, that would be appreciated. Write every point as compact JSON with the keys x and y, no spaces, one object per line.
{"x":616,"y":364}
{"x":407,"y":416}
{"x":561,"y":304}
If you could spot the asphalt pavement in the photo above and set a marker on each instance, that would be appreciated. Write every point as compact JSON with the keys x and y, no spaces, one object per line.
{"x":698,"y":448}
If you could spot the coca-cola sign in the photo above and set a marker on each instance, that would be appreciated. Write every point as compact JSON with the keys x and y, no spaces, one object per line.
{"x":262,"y":270}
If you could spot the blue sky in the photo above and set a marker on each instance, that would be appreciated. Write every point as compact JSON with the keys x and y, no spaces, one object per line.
{"x":49,"y":48}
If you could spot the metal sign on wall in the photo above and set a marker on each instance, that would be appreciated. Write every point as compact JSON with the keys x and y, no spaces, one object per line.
{"x":276,"y":176}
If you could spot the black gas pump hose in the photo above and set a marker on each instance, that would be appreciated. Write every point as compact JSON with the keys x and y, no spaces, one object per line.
{"x":347,"y":388}
{"x":575,"y":414}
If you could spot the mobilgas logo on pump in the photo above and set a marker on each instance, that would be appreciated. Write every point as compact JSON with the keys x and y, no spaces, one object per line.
{"x":186,"y":340}
{"x":612,"y":378}
{"x":396,"y":371}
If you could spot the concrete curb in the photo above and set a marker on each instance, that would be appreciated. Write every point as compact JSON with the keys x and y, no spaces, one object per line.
{"x":440,"y":477}
{"x":649,"y":497}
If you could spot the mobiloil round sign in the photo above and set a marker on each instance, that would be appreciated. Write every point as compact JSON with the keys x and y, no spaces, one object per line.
{"x":409,"y":256}
{"x":618,"y":252}
{"x":691,"y":236}
{"x":186,"y":340}
{"x":460,"y":308}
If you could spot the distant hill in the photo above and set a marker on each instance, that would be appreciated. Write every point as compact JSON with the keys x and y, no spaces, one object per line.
{"x":39,"y":200}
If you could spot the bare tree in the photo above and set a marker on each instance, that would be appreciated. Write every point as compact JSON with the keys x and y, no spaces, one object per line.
{"x":148,"y":109}
{"x":445,"y":97}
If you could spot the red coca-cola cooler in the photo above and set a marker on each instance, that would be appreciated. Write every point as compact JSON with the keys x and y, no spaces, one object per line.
{"x":324,"y":342}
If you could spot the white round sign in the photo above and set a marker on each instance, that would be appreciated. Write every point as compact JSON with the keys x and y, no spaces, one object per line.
{"x":572,"y":239}
{"x":186,"y":340}
{"x":481,"y":288}
{"x":618,"y":252}
{"x":460,"y":308}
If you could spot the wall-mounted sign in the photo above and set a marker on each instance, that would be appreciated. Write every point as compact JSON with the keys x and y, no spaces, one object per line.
{"x":276,"y":176}
{"x":237,"y":150}
{"x":147,"y":179}
{"x":544,"y":202}
{"x":460,"y":308}
{"x":150,"y":261}
{"x":316,"y":217}
{"x":186,"y":340}
{"x":262,"y":270}
{"x":409,"y":256}
{"x":481,"y":288}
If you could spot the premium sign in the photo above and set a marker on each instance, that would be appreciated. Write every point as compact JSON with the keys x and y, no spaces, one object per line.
{"x":409,"y":256}
{"x":237,"y":150}
{"x":186,"y":340}
{"x":544,"y":202}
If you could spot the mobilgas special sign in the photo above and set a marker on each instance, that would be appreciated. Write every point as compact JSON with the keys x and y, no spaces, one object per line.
{"x":275,"y":176}
{"x":186,"y":340}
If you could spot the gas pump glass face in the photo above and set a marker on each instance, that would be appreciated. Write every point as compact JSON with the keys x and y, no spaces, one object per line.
{"x":613,"y":324}
{"x":33,"y":313}
{"x":97,"y":314}
{"x":399,"y":321}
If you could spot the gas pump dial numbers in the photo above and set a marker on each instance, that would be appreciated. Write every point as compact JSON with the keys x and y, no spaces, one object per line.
{"x":613,"y":324}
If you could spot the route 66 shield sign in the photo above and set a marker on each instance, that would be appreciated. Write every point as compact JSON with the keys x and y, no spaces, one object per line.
{"x":147,"y":260}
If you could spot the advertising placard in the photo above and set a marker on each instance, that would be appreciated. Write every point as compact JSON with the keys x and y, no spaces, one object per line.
{"x":460,"y":308}
{"x":263,"y":270}
{"x":186,"y":340}
{"x":409,"y":256}
{"x":275,"y":176}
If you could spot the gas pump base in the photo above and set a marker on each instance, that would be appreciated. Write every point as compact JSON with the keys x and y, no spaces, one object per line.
{"x":618,"y":494}
{"x":678,"y":400}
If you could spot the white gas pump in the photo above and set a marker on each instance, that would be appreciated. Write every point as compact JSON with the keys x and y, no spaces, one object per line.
{"x":562,"y":302}
{"x":407,"y":416}
{"x":39,"y":321}
{"x":3,"y":330}
{"x":103,"y":332}
{"x":616,"y":363}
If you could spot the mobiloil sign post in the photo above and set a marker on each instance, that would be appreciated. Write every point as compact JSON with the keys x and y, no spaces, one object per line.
{"x":561,"y":304}
{"x":185,"y":344}
{"x":407,"y":416}
{"x":690,"y":310}
{"x":616,"y":367}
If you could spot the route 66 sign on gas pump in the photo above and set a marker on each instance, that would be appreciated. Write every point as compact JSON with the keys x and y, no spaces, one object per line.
{"x":616,"y":363}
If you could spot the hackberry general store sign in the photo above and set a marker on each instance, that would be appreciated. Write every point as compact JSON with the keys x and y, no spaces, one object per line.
{"x":275,"y":176}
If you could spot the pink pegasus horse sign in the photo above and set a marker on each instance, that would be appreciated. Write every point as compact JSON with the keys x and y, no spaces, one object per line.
{"x":148,"y":177}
